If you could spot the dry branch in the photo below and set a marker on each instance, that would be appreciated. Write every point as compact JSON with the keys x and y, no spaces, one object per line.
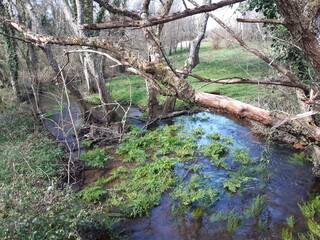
{"x":159,"y":20}
{"x":255,"y":20}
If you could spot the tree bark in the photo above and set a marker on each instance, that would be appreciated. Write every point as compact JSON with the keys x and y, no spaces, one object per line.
{"x":302,"y":18}
{"x":92,"y":74}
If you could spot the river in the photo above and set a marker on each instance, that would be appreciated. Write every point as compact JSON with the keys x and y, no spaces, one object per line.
{"x":283,"y":185}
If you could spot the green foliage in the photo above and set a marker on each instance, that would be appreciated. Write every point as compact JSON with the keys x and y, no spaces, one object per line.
{"x":286,"y":234}
{"x":307,"y":209}
{"x":197,"y":132}
{"x":87,"y":143}
{"x":95,"y":158}
{"x":236,"y":181}
{"x":141,"y":188}
{"x":93,"y":99}
{"x":233,"y":221}
{"x":214,"y":136}
{"x":198,"y":117}
{"x":256,"y":206}
{"x":92,"y":193}
{"x":299,"y":158}
{"x":32,"y":206}
{"x":241,"y":156}
{"x":311,"y":211}
{"x":267,"y":7}
{"x":195,"y":193}
{"x":214,"y":150}
{"x":25,"y":149}
{"x":314,"y":228}
{"x":291,"y":221}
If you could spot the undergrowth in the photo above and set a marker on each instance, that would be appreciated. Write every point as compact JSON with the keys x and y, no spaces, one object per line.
{"x":34,"y":204}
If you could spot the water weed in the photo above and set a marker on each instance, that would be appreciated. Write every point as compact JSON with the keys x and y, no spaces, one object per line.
{"x":286,"y":234}
{"x":291,"y":221}
{"x":256,"y":206}
{"x":299,"y":158}
{"x":142,"y":187}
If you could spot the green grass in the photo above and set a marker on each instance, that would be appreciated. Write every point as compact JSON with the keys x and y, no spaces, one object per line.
{"x":126,"y":89}
{"x":222,"y":63}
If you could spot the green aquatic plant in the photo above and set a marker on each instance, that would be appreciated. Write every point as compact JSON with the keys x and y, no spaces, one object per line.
{"x":236,"y":180}
{"x":314,"y":228}
{"x":198,"y":117}
{"x":95,"y":158}
{"x":227,"y":140}
{"x":214,"y":150}
{"x":286,"y":234}
{"x":299,"y":158}
{"x":233,"y":221}
{"x":197,"y":132}
{"x":291,"y":221}
{"x":197,"y":212}
{"x":307,"y":209}
{"x":195,"y":192}
{"x":241,"y":156}
{"x":187,"y":150}
{"x":232,"y":184}
{"x":214,"y":136}
{"x":141,"y":188}
{"x":255,"y":207}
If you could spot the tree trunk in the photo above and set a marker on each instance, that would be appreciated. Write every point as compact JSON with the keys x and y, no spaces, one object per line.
{"x":302,"y":18}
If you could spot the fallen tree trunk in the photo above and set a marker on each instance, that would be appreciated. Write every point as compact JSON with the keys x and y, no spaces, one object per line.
{"x":298,"y":127}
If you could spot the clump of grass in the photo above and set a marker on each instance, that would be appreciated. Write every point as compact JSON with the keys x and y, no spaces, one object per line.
{"x":95,"y":158}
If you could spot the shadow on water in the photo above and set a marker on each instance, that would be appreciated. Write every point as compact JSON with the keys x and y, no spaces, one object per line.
{"x":284,"y":185}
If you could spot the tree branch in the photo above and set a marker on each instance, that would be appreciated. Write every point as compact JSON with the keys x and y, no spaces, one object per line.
{"x":240,"y":80}
{"x":271,"y":21}
{"x":159,"y":20}
{"x":294,"y":79}
{"x":115,"y":10}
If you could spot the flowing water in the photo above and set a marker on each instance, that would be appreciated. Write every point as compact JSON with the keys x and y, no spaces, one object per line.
{"x":286,"y":185}
{"x":281,"y":186}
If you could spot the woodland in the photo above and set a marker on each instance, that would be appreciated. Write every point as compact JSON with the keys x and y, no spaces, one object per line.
{"x":101,"y":60}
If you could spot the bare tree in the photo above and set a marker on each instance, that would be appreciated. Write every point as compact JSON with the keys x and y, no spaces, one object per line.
{"x":170,"y":82}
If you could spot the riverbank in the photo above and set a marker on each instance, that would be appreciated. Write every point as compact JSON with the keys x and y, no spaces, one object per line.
{"x":35,"y":203}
